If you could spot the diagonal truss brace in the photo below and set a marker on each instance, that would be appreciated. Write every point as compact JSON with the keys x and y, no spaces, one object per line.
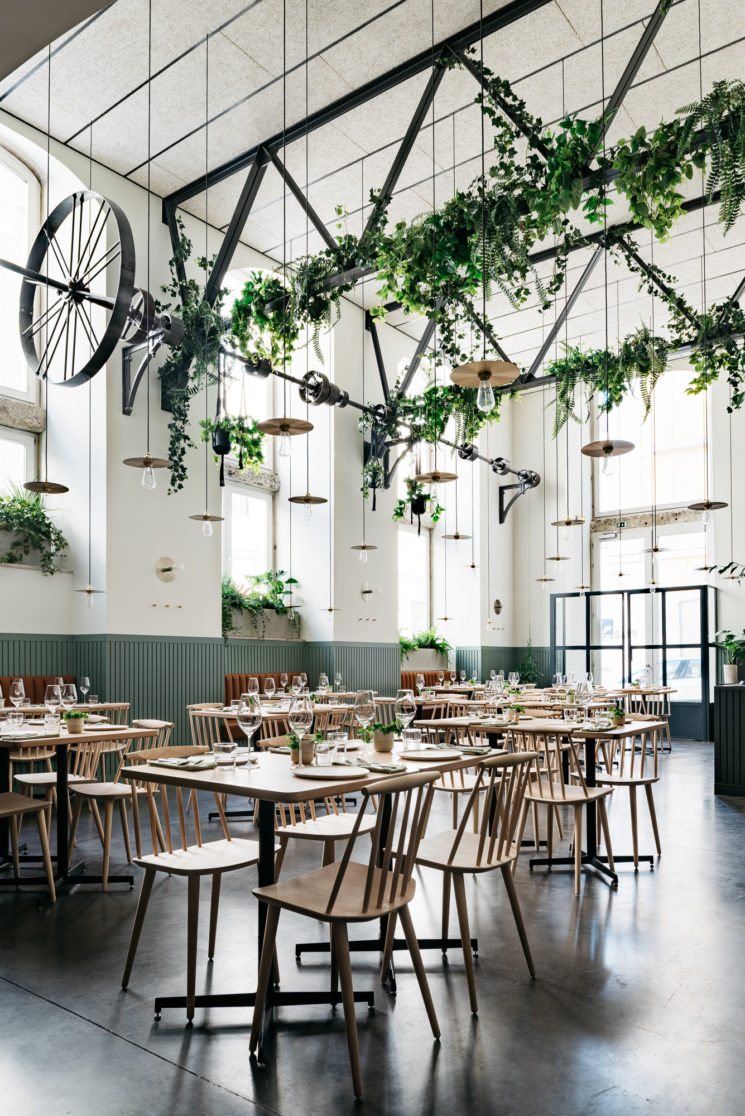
{"x":564,"y":313}
{"x":303,"y":200}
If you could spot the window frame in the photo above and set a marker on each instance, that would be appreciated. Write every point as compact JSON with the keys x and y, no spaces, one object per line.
{"x":412,"y":529}
{"x":30,"y":440}
{"x":239,"y":487}
{"x":35,"y":192}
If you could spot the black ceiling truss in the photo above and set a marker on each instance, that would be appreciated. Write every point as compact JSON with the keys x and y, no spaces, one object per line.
{"x":303,"y":200}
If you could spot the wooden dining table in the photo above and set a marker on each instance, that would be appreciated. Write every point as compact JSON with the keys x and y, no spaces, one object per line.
{"x":66,"y":874}
{"x":270,"y":782}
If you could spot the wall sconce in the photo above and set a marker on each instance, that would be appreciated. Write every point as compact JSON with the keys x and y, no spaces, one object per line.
{"x":167,"y":569}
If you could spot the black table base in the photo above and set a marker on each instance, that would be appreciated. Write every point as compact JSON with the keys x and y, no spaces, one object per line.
{"x":275,"y":998}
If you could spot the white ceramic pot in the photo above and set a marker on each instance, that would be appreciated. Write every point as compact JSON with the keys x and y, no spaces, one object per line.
{"x":383,"y":741}
{"x":267,"y":625}
{"x":730,"y":674}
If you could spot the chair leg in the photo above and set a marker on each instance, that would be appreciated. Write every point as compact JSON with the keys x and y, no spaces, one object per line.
{"x":577,"y":848}
{"x":280,"y":856}
{"x":108,"y":820}
{"x":603,"y":814}
{"x":459,"y":887}
{"x":520,"y":832}
{"x":75,"y":820}
{"x":390,"y":934}
{"x":634,"y":829}
{"x":265,"y":971}
{"x":97,"y":818}
{"x":446,"y":881}
{"x":136,"y":821}
{"x":509,"y":883}
{"x":14,"y":847}
{"x":142,"y":902}
{"x":214,"y":905}
{"x":328,"y":853}
{"x":41,"y":821}
{"x":557,"y":816}
{"x":410,"y":935}
{"x":536,"y":829}
{"x":341,"y":948}
{"x":454,"y":797}
{"x":125,"y":830}
{"x":334,"y":967}
{"x":653,"y":818}
{"x":192,"y":923}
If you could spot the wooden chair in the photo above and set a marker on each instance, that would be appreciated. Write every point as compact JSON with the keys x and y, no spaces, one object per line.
{"x":547,"y":787}
{"x":14,"y":807}
{"x":637,"y":767}
{"x":273,"y":728}
{"x":349,"y":891}
{"x":454,"y":783}
{"x":455,"y":853}
{"x":303,"y":821}
{"x":184,"y":857}
{"x":658,"y":708}
{"x":206,"y":731}
{"x":385,"y":710}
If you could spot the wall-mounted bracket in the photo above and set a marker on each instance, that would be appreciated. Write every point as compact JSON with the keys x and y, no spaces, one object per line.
{"x":130,"y":386}
{"x":527,"y":479}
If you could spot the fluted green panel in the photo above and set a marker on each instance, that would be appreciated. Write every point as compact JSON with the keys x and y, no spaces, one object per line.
{"x":248,"y":656}
{"x":469,"y":660}
{"x":376,"y":665}
{"x":508,"y":658}
{"x":36,"y":654}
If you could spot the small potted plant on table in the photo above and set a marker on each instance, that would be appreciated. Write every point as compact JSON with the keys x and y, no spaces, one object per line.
{"x":75,"y":720}
{"x":618,"y":715}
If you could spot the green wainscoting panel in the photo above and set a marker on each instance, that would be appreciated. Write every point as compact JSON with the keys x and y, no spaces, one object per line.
{"x":508,"y":658}
{"x":37,"y":654}
{"x":248,"y":656}
{"x":377,"y":665}
{"x":469,"y":660}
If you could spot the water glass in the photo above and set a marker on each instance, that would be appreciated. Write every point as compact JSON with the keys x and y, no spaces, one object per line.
{"x":225,"y":752}
{"x":93,"y":699}
{"x":234,"y":703}
{"x":326,"y":750}
{"x":411,"y":738}
{"x":51,"y":724}
{"x":15,"y":721}
{"x":337,"y":741}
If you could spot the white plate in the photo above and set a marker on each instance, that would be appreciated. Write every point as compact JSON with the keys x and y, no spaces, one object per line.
{"x":433,"y":754}
{"x":327,"y":771}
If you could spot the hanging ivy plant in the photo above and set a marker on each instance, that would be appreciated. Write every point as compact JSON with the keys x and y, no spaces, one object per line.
{"x":193,"y":362}
{"x":23,"y":515}
{"x":246,"y":440}
{"x":417,"y":502}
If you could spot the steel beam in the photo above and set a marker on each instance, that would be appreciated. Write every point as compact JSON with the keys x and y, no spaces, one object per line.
{"x":564,"y":313}
{"x":739,"y":291}
{"x":372,"y":329}
{"x":487,"y":330}
{"x":634,"y":64}
{"x":420,"y":350}
{"x":659,"y":282}
{"x":302,"y":198}
{"x":250,"y":189}
{"x":496,"y":21}
{"x":173,"y":231}
{"x":415,"y":126}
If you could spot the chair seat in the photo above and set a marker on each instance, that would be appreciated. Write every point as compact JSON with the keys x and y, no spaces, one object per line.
{"x":469,"y":782}
{"x":106,"y":790}
{"x":564,"y":794}
{"x":202,"y":860}
{"x":47,"y":779}
{"x":12,"y":804}
{"x":434,"y":852}
{"x":331,"y":827}
{"x":309,"y":894}
{"x":626,"y":780}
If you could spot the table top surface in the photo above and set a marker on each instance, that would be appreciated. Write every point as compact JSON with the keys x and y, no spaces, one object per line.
{"x":267,"y":710}
{"x":273,"y":779}
{"x":92,"y":736}
{"x":34,"y":710}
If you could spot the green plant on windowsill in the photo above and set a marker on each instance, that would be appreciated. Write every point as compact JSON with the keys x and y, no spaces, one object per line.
{"x":23,"y":515}
{"x":270,"y":591}
{"x":424,"y":641}
{"x":732,"y":645}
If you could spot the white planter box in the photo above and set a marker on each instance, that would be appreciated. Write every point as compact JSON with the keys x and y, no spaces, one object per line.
{"x":267,"y":625}
{"x":424,"y":659}
{"x":730,"y":674}
{"x":7,"y":538}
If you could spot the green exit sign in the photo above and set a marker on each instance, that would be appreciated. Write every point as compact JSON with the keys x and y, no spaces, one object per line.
{"x":622,"y":523}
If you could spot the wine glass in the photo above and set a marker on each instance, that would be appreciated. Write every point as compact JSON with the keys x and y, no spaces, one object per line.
{"x":405,"y":707}
{"x":337,"y":682}
{"x":304,"y":680}
{"x":68,"y":695}
{"x":249,"y":717}
{"x":492,"y":674}
{"x":323,"y":684}
{"x":364,"y":708}
{"x":441,"y":676}
{"x":419,"y":682}
{"x":453,"y":677}
{"x":253,"y":686}
{"x":589,"y":678}
{"x":17,"y":692}
{"x":270,"y":687}
{"x":462,"y":676}
{"x":59,"y":681}
{"x":283,"y":682}
{"x":300,"y":719}
{"x":85,"y":685}
{"x":296,"y":685}
{"x":52,"y":698}
{"x":583,"y":695}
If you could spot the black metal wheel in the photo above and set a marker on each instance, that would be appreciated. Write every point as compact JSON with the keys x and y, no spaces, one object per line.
{"x":85,"y":240}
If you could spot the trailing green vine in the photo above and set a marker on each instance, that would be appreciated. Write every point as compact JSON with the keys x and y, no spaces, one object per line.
{"x":246,"y":440}
{"x":23,"y":515}
{"x":417,"y":502}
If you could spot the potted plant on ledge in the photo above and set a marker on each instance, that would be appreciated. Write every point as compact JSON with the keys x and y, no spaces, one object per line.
{"x":27,"y":534}
{"x":265,"y":611}
{"x":424,"y":651}
{"x":734,"y":648}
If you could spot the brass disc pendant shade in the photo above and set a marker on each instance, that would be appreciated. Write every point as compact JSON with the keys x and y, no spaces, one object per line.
{"x":308,"y":500}
{"x":496,"y":373}
{"x":285,"y":425}
{"x":90,"y":591}
{"x":557,"y":558}
{"x":609,"y":447}
{"x":205,"y":517}
{"x":575,"y":521}
{"x":147,"y":462}
{"x":365,"y":546}
{"x":46,"y":487}
{"x":456,"y":537}
{"x":545,"y":579}
{"x":708,"y":505}
{"x":435,"y":477}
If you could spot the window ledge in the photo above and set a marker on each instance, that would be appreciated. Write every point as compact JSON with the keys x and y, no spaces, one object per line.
{"x":265,"y":479}
{"x":28,"y":566}
{"x":20,"y":415}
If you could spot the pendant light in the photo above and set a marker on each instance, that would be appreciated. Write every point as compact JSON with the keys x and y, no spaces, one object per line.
{"x":655,"y":548}
{"x":435,"y":476}
{"x":308,"y":502}
{"x":583,"y":589}
{"x":545,"y":580}
{"x":606,"y":448}
{"x":89,"y":591}
{"x":569,"y":520}
{"x":205,"y":518}
{"x":484,"y":374}
{"x":46,"y":487}
{"x":456,"y":536}
{"x":445,"y":618}
{"x":556,"y":523}
{"x":147,"y":462}
{"x":473,"y":567}
{"x":363,"y":548}
{"x":285,"y":427}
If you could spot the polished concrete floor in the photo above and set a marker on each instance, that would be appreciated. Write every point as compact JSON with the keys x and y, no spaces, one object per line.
{"x":638,"y":1005}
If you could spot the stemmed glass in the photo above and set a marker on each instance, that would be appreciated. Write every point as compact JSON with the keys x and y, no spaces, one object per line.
{"x":513,"y":678}
{"x":583,"y":695}
{"x":364,"y":708}
{"x":85,"y":685}
{"x":68,"y":695}
{"x":17,"y":692}
{"x":283,"y":682}
{"x":304,"y":680}
{"x":492,"y":674}
{"x":453,"y":677}
{"x":52,"y":698}
{"x":249,"y":718}
{"x":253,"y":686}
{"x":270,"y":687}
{"x":419,"y":680}
{"x":296,"y":685}
{"x":462,"y":676}
{"x":300,"y":719}
{"x":405,"y":707}
{"x":441,"y":676}
{"x":337,"y":682}
{"x":323,"y":684}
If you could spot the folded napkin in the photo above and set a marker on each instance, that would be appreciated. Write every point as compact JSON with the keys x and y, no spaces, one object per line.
{"x":474,"y":749}
{"x":377,"y":766}
{"x":282,"y":748}
{"x":187,"y":763}
{"x":28,"y":734}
